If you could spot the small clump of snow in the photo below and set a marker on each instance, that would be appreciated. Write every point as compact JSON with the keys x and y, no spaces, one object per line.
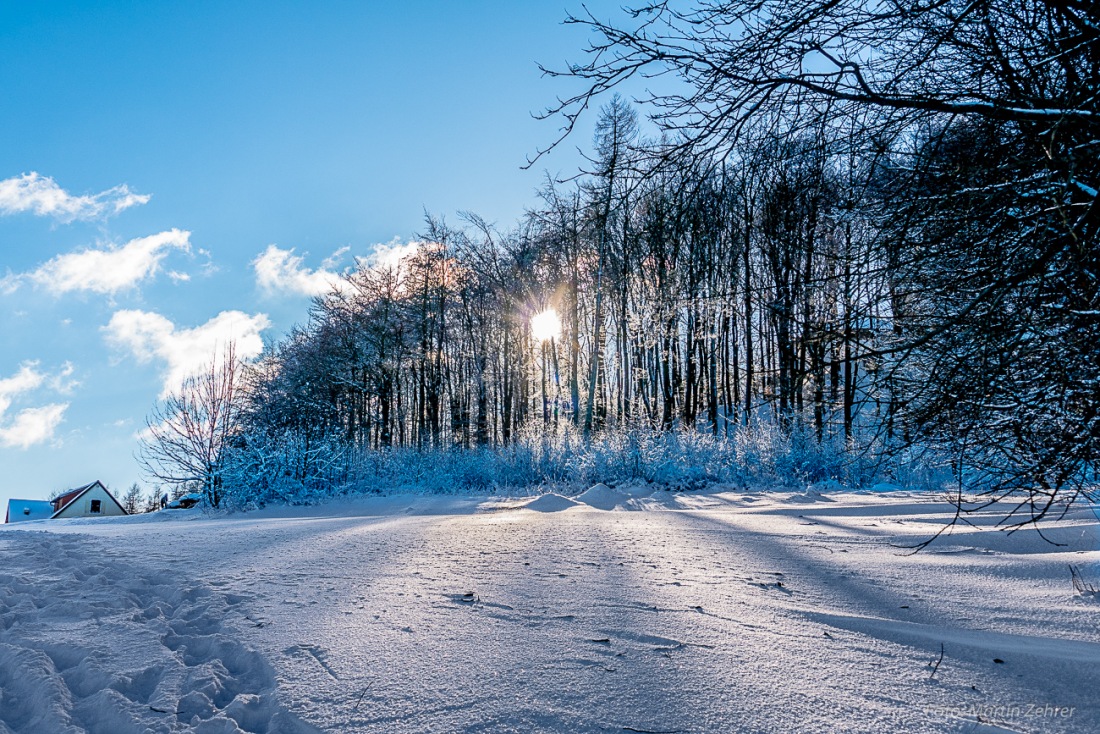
{"x":808,"y":497}
{"x":602,"y":497}
{"x":551,"y":503}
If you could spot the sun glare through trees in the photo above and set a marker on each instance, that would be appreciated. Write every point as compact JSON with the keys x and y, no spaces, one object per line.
{"x":546,"y":325}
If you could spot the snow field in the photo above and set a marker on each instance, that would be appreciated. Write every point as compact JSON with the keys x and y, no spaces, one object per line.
{"x":671,"y":611}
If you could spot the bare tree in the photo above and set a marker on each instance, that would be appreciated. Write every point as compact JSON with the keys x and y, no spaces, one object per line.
{"x":131,"y":501}
{"x":151,"y":502}
{"x":188,"y":433}
{"x":1030,"y":62}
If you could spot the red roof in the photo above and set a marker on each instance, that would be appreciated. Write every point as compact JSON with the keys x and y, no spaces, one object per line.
{"x":62,"y":501}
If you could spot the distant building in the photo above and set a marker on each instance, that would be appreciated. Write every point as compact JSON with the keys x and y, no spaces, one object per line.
{"x":21,"y":510}
{"x":91,"y":500}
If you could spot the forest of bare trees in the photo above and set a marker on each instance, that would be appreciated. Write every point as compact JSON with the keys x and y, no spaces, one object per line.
{"x":870,"y":226}
{"x":969,"y":135}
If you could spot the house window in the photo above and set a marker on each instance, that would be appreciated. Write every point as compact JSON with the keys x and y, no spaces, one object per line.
{"x":95,"y":505}
{"x":26,"y":510}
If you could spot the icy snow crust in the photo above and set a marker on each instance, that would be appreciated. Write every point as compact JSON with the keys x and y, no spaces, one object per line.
{"x":673,"y":611}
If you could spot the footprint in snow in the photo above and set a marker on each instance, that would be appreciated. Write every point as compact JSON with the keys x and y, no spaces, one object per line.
{"x":181,"y":665}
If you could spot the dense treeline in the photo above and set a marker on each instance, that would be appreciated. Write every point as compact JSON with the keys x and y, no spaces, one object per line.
{"x":687,"y":299}
{"x":869,"y":225}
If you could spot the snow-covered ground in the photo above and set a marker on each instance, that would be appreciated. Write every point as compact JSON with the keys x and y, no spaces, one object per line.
{"x":675,"y":612}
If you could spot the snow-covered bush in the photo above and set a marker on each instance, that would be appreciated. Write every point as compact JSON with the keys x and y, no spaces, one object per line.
{"x":285,"y":468}
{"x":289,"y":469}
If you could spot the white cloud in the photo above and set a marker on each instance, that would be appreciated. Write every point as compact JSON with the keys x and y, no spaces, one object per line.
{"x":38,"y":424}
{"x":9,"y":284}
{"x":109,"y":270}
{"x":390,"y":254}
{"x":281,"y":271}
{"x":41,"y":195}
{"x":28,"y":378}
{"x":148,"y":336}
{"x":333,"y":260}
{"x":61,"y":382}
{"x":33,"y":426}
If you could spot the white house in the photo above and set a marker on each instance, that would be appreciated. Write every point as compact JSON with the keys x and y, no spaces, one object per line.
{"x":91,"y":500}
{"x":20,"y":510}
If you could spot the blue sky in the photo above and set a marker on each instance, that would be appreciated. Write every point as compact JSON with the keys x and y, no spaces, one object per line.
{"x":163,"y":160}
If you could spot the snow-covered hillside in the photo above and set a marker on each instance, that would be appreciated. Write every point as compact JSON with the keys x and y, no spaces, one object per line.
{"x":670,"y":612}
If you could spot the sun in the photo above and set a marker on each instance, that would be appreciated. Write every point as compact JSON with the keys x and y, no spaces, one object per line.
{"x":546,"y":325}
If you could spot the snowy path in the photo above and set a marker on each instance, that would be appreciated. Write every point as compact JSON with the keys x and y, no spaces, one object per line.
{"x":724,"y":612}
